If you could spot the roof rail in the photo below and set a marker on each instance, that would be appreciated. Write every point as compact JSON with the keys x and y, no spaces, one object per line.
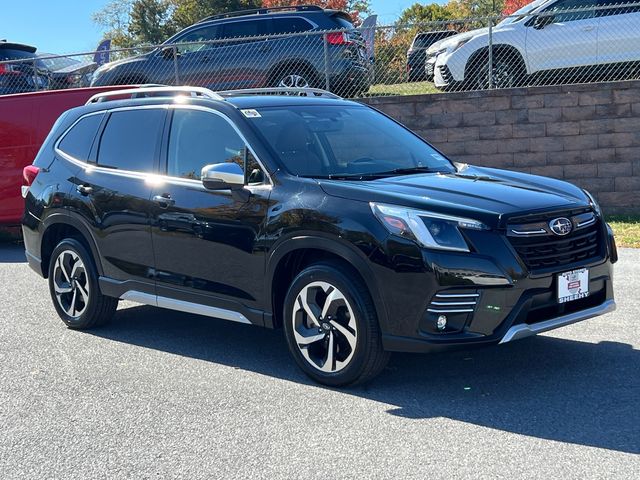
{"x":301,"y":92}
{"x":154,"y":91}
{"x":263,"y":11}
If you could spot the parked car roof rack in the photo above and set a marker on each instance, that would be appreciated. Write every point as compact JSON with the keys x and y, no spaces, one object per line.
{"x":301,"y":92}
{"x":263,"y":11}
{"x":153,"y":91}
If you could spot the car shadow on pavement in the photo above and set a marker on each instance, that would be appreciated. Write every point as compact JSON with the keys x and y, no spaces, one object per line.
{"x":544,"y":387}
{"x":12,"y":253}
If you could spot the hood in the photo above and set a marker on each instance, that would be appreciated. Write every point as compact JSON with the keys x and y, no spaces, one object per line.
{"x":111,"y":65}
{"x":450,"y":41}
{"x":484,"y":194}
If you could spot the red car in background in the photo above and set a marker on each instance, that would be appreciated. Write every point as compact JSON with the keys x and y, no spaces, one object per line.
{"x":25,"y":121}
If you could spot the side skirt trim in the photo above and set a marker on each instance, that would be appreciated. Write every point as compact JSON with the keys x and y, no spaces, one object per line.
{"x":182,"y":306}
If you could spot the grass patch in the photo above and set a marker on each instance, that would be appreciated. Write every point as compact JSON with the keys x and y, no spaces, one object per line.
{"x":626,"y":229}
{"x":411,"y":88}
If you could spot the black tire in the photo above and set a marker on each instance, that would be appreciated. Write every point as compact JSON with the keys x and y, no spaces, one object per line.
{"x":368,"y":358}
{"x":508,"y":71}
{"x":98,"y":309}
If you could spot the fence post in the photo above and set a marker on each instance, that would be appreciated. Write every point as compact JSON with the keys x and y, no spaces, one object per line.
{"x":326,"y":61}
{"x":35,"y":76}
{"x":490,"y":63}
{"x":175,"y":65}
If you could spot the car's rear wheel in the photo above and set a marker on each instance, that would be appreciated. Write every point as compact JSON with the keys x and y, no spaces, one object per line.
{"x":331,"y":326}
{"x":295,"y":77}
{"x":73,"y":284}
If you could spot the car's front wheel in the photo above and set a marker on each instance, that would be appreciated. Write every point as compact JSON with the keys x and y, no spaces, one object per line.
{"x":73,"y":284}
{"x":331,"y":326}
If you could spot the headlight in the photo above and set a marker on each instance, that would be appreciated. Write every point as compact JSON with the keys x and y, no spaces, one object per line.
{"x":429,"y":229}
{"x":594,"y":203}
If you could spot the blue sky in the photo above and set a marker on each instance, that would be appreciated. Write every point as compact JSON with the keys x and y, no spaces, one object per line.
{"x":65,"y":26}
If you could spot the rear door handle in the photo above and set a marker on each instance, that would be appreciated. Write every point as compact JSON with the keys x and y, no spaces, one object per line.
{"x":588,"y":28}
{"x":164,"y":200}
{"x":84,"y":190}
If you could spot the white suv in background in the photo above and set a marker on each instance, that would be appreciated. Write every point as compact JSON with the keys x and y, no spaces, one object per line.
{"x":551,"y":40}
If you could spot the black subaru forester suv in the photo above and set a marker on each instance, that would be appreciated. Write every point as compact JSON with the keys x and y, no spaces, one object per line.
{"x":308,"y":212}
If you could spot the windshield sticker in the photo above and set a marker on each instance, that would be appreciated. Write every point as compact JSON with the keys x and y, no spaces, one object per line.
{"x":251,"y":113}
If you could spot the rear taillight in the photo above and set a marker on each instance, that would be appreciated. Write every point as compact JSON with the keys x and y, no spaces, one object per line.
{"x":9,"y":69}
{"x":338,"y":38}
{"x":29,"y":174}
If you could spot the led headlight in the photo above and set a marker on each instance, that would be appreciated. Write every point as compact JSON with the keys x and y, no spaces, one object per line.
{"x":594,"y":203}
{"x":429,"y":229}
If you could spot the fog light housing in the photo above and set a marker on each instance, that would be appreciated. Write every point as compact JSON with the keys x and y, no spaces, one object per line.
{"x":441,"y":323}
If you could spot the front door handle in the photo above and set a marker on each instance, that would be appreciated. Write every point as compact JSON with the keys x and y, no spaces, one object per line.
{"x":164,"y":200}
{"x":588,"y":28}
{"x":84,"y":190}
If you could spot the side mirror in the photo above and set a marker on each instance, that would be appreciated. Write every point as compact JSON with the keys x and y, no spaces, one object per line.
{"x":222,"y":176}
{"x":542,"y":21}
{"x":167,"y":53}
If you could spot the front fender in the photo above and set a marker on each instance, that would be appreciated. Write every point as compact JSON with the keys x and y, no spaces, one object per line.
{"x":334,"y":246}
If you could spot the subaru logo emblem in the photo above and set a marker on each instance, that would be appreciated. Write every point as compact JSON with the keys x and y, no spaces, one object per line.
{"x":561,"y":226}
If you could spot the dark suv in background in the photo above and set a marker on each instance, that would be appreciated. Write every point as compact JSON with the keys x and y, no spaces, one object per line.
{"x":22,"y":75}
{"x":417,"y":53}
{"x":273,"y":47}
{"x":316,"y":214}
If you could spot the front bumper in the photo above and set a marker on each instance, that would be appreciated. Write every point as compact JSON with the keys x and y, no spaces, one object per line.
{"x":524,"y":330}
{"x":493,"y":298}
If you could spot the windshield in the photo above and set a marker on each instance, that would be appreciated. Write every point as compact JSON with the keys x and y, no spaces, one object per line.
{"x":522,"y":12}
{"x":330,"y":141}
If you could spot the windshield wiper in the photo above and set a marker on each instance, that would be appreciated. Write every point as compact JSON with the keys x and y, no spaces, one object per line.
{"x":376,"y":175}
{"x":409,"y":170}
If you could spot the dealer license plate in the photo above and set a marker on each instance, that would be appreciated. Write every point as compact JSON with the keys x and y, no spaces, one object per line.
{"x":573,"y":285}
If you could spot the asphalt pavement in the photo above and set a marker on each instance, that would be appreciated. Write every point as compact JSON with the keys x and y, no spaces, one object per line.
{"x":161,"y":394}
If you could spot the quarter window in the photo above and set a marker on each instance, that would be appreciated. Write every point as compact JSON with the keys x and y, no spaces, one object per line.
{"x":130,"y":140}
{"x":78,"y":141}
{"x":290,"y":25}
{"x":200,"y":138}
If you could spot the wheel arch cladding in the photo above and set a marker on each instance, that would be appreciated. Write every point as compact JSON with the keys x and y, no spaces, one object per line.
{"x":59,"y":228}
{"x":292,"y":256}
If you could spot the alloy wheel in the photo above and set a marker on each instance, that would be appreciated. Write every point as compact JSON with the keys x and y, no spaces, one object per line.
{"x":293,"y":81}
{"x":71,"y":283}
{"x":324,"y":327}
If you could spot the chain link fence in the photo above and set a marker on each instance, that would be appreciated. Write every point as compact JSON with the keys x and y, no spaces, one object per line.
{"x":599,"y":40}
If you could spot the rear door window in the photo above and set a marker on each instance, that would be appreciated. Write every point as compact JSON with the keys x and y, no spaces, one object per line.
{"x":78,"y":140}
{"x":246,"y":28}
{"x":130,"y":140}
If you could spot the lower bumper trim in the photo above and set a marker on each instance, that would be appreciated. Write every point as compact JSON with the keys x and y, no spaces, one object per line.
{"x":524,"y":330}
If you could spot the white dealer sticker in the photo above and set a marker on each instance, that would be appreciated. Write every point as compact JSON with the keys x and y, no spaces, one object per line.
{"x":573,"y":285}
{"x":251,"y":113}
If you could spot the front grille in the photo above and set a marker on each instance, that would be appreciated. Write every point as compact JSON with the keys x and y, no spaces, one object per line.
{"x":540,"y":249}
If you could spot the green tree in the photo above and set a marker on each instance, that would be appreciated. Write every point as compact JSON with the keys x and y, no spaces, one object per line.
{"x":150,"y":21}
{"x":484,"y":8}
{"x":188,"y":12}
{"x":115,"y":18}
{"x":419,"y":14}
